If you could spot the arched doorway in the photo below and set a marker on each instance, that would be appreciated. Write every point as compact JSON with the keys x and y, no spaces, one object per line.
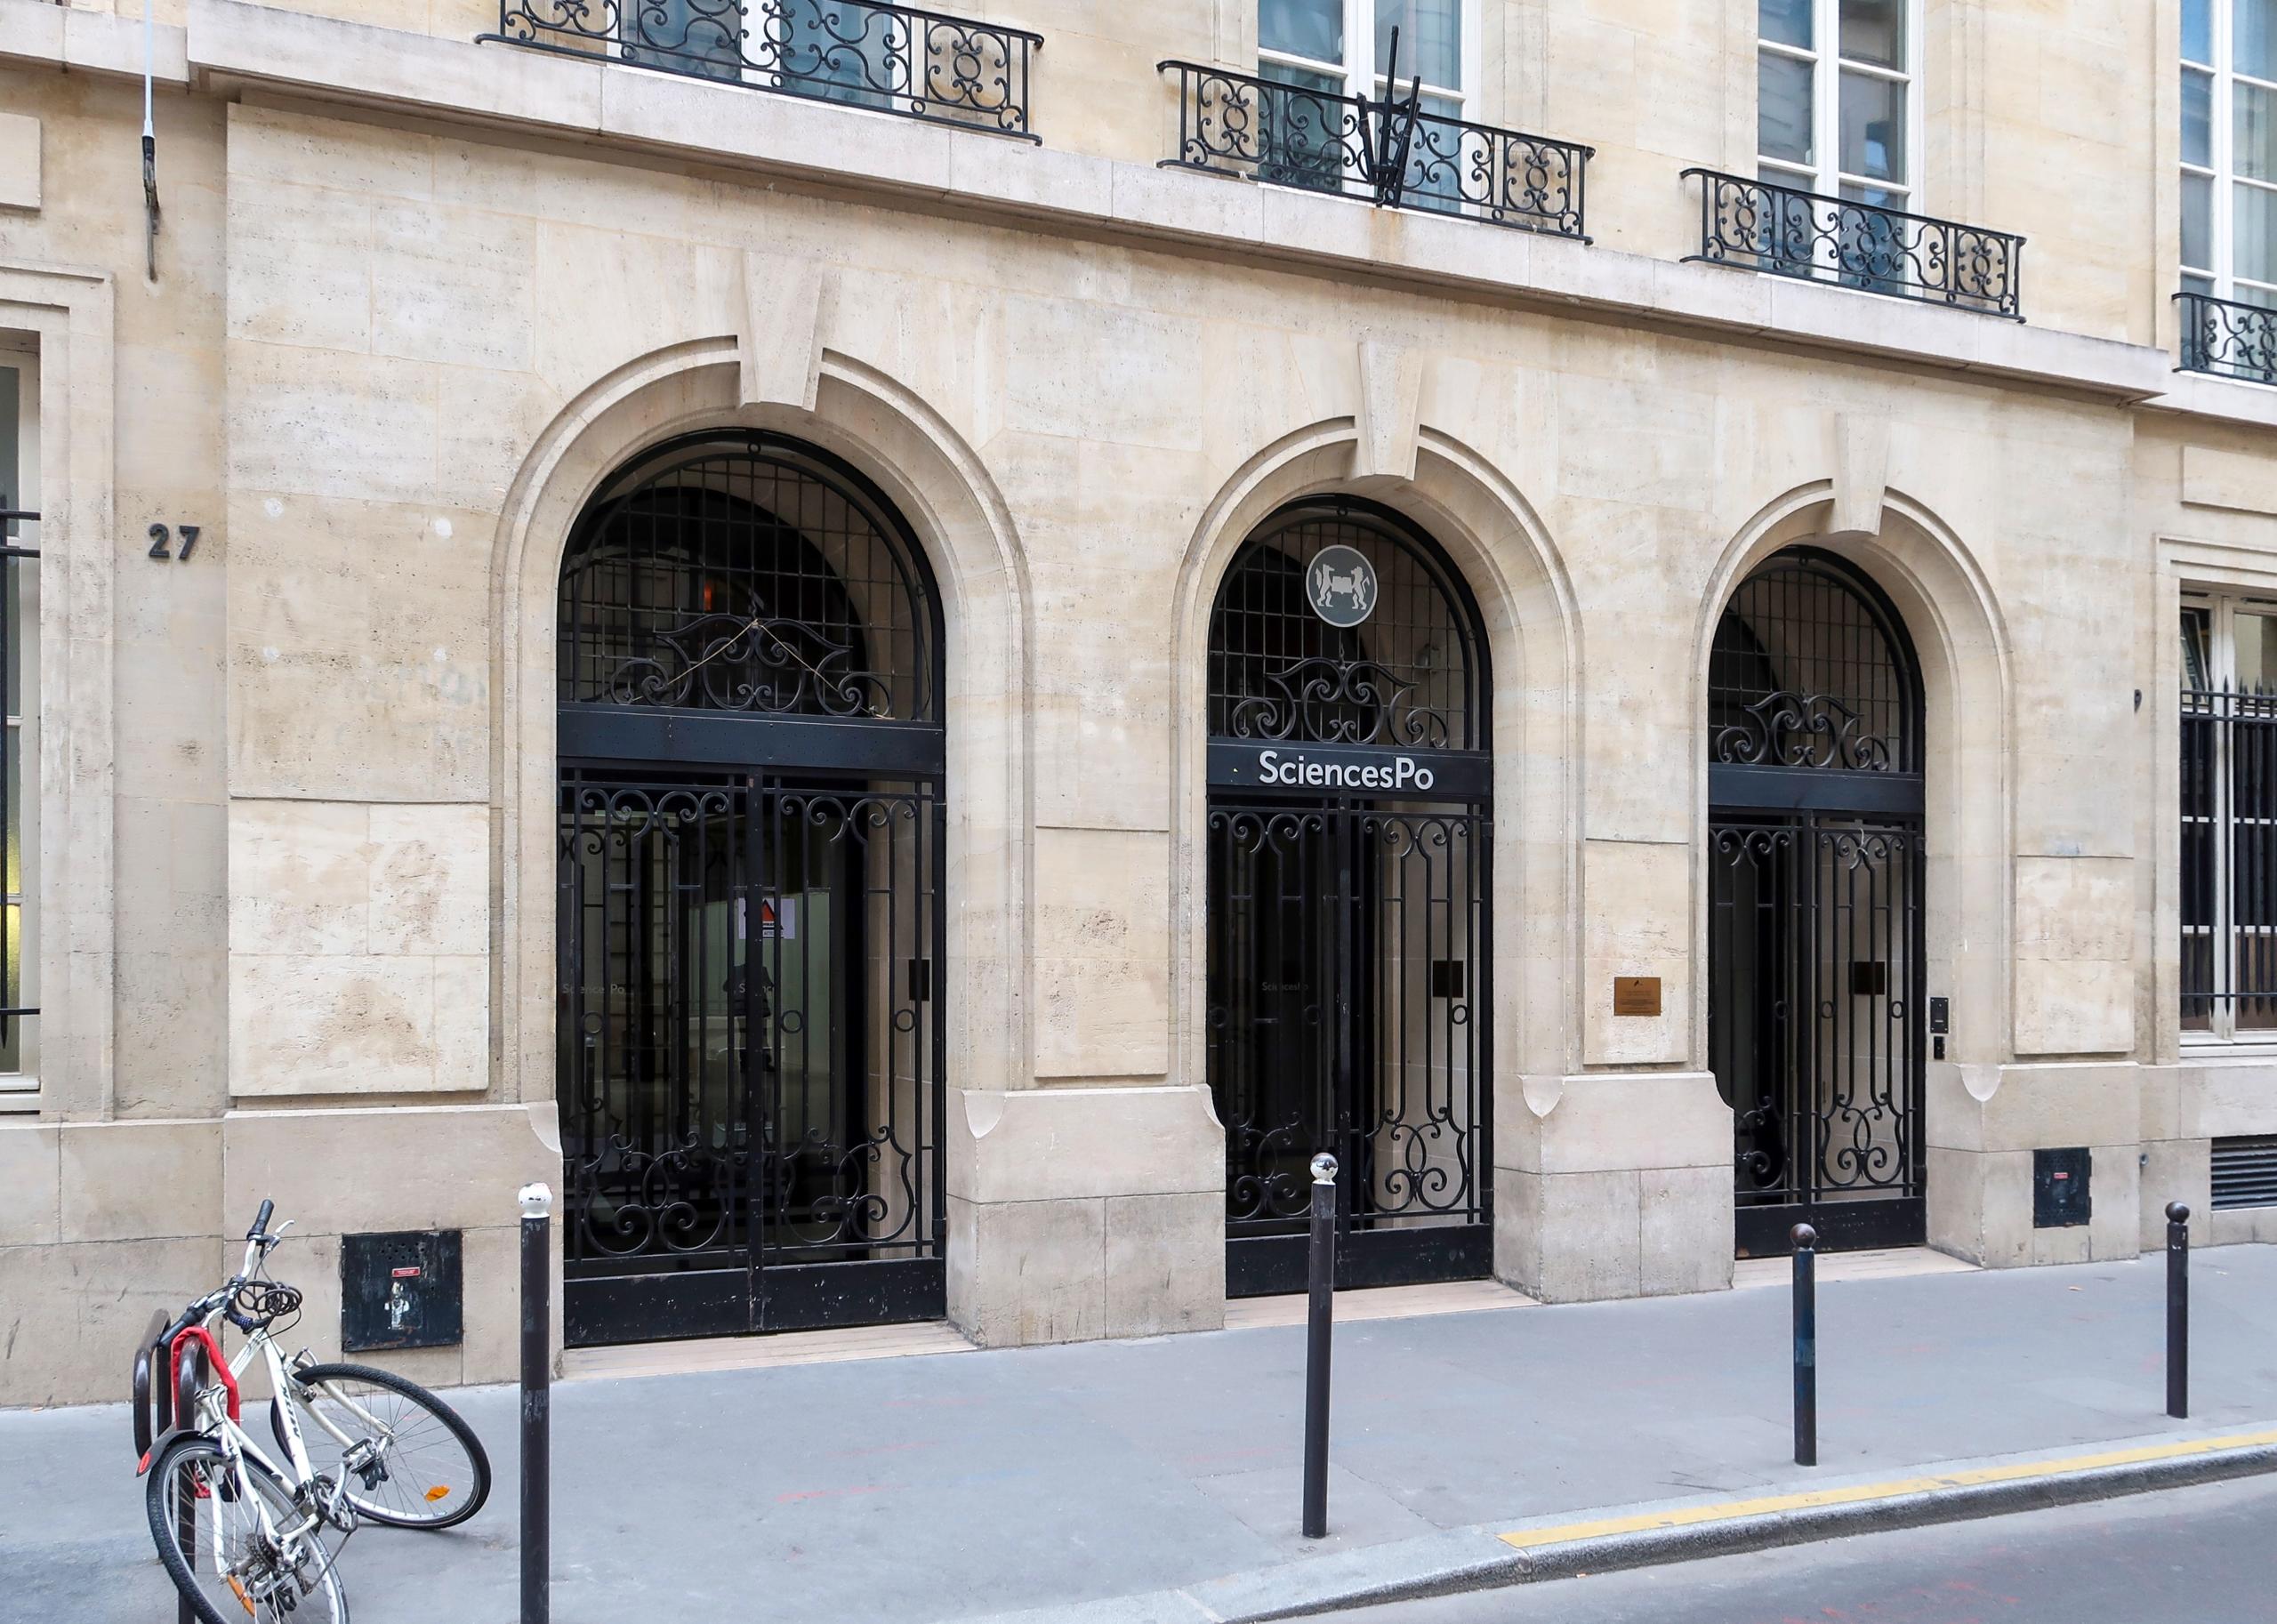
{"x":749,"y":1041}
{"x":1350,"y":851}
{"x":1815,"y":861}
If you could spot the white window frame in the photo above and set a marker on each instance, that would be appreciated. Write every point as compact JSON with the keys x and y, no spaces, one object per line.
{"x":2222,"y":150}
{"x":1360,"y":57}
{"x":24,"y":733}
{"x":1827,"y":64}
{"x":2221,"y":1031}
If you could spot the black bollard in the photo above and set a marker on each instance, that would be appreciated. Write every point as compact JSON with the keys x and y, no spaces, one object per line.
{"x":1805,"y":1240}
{"x":1321,"y":1314}
{"x":537,"y":1380}
{"x":2177,"y":1311}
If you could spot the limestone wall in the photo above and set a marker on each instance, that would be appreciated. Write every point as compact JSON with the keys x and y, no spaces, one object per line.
{"x":390,"y":350}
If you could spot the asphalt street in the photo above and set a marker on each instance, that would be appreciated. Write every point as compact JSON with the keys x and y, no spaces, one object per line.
{"x":2180,"y":1557}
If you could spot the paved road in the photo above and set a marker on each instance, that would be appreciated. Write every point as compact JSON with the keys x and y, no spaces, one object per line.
{"x":2182,"y":1556}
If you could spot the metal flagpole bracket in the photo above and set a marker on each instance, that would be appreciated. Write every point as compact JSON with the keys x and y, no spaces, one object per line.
{"x":1393,"y":116}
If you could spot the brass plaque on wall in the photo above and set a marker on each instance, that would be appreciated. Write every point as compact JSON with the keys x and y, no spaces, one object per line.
{"x":1636,"y":994}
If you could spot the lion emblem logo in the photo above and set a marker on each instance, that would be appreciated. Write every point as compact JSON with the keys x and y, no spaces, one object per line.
{"x":1341,"y":585}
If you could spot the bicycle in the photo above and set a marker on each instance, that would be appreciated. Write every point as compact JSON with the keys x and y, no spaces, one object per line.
{"x":243,"y":1536}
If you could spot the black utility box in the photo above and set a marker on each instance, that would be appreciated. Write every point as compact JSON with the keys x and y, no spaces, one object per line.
{"x":400,"y":1290}
{"x":2060,"y":1197}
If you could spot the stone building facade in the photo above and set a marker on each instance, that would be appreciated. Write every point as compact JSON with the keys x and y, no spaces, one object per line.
{"x":914,"y":664}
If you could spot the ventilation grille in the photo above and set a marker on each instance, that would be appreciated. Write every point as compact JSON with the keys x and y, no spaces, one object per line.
{"x":2245,"y":1172}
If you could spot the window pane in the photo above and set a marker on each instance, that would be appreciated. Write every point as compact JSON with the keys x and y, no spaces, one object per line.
{"x":2245,"y":293}
{"x":2198,"y":31}
{"x":2253,"y":129}
{"x":1874,"y":31}
{"x":2254,"y":232}
{"x":1302,"y":27}
{"x":2197,"y":117}
{"x":2255,"y":638}
{"x":1430,"y":40}
{"x":1782,"y":109}
{"x":2198,"y":221}
{"x":1873,"y":127}
{"x":2197,"y":632}
{"x":1788,"y":21}
{"x":2253,"y":47}
{"x":1300,"y":139}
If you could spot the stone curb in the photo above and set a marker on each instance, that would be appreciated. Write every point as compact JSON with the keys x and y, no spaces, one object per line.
{"x":1479,"y":1558}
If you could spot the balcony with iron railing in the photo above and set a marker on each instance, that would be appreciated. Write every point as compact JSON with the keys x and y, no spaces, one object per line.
{"x":1759,"y":225}
{"x":1387,"y":150}
{"x":2227,"y":338}
{"x":889,"y":59}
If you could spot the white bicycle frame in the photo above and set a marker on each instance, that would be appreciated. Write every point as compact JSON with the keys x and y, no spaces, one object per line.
{"x":213,"y":1419}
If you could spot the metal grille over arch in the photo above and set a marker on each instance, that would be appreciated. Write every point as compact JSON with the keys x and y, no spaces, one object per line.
{"x":1350,"y":835}
{"x":1816,"y":1029}
{"x":751,"y":818}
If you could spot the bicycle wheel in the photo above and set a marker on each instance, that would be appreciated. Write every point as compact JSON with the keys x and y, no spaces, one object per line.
{"x":238,"y":1556}
{"x":410,"y":1462}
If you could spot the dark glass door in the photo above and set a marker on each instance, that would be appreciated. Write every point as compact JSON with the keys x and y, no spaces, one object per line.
{"x":1346,"y":952}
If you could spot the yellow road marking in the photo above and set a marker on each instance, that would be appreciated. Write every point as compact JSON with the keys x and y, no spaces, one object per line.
{"x":1685,"y":1516}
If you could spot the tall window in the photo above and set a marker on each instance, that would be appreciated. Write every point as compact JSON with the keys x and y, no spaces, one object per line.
{"x":1834,"y":98}
{"x":1322,"y":45}
{"x":20,"y":733}
{"x":2229,"y":150}
{"x":2229,"y":819}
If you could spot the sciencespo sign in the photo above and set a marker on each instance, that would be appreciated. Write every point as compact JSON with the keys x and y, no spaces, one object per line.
{"x":1441,"y":775}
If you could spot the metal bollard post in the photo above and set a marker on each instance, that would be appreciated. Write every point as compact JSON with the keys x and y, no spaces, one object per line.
{"x":1320,"y":1319}
{"x":1805,"y":1240}
{"x":537,"y":1378}
{"x":2177,"y":1310}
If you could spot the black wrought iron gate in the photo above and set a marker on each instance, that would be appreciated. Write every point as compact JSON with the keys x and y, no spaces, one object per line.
{"x":752,"y":825}
{"x":1816,"y":864}
{"x":1350,"y":853}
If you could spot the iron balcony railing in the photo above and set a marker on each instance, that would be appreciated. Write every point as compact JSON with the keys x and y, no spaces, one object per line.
{"x":2228,"y":338}
{"x":891,"y":59}
{"x":1387,"y":150}
{"x":1758,"y":225}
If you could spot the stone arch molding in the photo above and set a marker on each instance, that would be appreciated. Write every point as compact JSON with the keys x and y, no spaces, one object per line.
{"x":1961,"y":642}
{"x":941,"y":487}
{"x":1507,"y":558}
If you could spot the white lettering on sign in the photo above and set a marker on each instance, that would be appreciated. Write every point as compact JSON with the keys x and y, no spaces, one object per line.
{"x":1404,"y":773}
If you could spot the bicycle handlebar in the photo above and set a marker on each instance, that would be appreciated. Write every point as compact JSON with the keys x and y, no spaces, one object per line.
{"x":260,"y":1219}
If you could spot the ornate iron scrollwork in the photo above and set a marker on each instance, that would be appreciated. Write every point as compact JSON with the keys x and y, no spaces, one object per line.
{"x":773,"y":667}
{"x":2228,"y":338}
{"x":1327,"y":701}
{"x":889,"y":57}
{"x":1814,"y":730}
{"x":1756,"y":225}
{"x":1388,"y":151}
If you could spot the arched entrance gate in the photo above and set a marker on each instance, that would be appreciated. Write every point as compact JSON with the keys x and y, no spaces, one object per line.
{"x":1814,"y":858}
{"x":1349,"y":866}
{"x":752,"y":821}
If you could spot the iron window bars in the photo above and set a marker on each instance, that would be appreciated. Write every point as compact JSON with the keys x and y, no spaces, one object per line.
{"x":2229,"y":861}
{"x":1759,"y":225}
{"x":1387,"y":150}
{"x":2227,"y":338}
{"x":891,"y":59}
{"x":12,"y":558}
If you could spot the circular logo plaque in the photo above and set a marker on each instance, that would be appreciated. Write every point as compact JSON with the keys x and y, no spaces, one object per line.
{"x":1341,"y":585}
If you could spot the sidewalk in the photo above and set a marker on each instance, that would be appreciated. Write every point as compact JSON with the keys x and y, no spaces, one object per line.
{"x":954,"y":1486}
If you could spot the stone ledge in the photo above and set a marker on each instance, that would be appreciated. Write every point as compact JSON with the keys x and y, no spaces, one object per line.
{"x":90,"y":42}
{"x":232,"y":44}
{"x":1059,"y":1143}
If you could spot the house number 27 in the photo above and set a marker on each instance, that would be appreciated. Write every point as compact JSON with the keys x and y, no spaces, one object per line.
{"x":160,"y":535}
